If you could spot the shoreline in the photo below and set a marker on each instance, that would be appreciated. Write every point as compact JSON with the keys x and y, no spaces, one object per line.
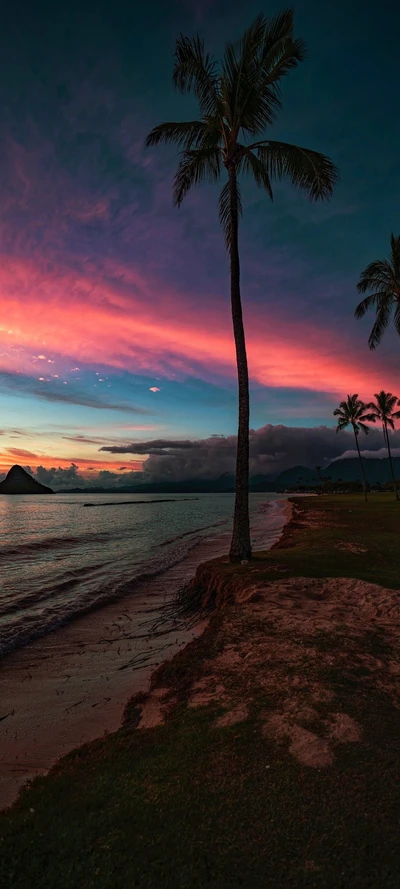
{"x":249,"y":728}
{"x":71,"y":686}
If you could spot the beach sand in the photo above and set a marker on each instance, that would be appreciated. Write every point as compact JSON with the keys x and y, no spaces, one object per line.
{"x":71,"y":686}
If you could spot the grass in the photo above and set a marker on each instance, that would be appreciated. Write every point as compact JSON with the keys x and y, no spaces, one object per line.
{"x":342,"y":519}
{"x":185,"y":805}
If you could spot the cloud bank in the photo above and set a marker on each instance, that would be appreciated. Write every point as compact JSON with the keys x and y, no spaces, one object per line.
{"x":272,"y":449}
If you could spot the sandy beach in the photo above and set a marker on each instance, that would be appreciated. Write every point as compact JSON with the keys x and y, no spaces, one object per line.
{"x":72,"y":686}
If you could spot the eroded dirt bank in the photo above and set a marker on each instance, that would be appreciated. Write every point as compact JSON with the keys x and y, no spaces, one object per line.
{"x":303,"y":655}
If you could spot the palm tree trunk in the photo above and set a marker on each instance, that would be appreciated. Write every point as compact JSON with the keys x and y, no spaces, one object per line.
{"x":362,"y":468}
{"x":240,"y":545}
{"x":386,"y":435}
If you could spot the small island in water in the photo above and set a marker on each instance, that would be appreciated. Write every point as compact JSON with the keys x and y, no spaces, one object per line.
{"x":18,"y":481}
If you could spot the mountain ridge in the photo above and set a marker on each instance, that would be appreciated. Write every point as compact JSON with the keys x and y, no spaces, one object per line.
{"x":346,"y":470}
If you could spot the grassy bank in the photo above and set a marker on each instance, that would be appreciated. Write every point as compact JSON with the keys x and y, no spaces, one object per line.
{"x":336,"y":536}
{"x":203,"y":800}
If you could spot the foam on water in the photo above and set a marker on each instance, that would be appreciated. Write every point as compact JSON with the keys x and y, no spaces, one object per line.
{"x":59,"y":560}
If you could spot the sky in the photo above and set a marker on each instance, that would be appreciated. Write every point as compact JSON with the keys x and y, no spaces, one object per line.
{"x":115,"y":327}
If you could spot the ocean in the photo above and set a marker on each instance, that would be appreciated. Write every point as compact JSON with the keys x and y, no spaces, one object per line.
{"x":63,"y":555}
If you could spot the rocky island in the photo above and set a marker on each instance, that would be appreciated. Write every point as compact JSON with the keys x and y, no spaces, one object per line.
{"x":18,"y":481}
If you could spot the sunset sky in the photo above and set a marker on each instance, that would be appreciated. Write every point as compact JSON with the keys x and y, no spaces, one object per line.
{"x":115,"y":320}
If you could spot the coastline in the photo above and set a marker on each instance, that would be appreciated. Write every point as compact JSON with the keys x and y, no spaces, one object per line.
{"x":72,"y":686}
{"x":247,"y":730}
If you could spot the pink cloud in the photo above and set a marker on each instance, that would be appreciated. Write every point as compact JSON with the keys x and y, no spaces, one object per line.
{"x":128,"y":322}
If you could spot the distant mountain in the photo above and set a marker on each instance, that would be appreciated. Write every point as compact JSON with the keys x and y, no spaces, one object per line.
{"x":375,"y":470}
{"x":17,"y":481}
{"x":346,"y":470}
{"x":298,"y":475}
{"x":222,"y":485}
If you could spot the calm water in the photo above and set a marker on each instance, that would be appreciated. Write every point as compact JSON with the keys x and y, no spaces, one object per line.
{"x":59,"y":558}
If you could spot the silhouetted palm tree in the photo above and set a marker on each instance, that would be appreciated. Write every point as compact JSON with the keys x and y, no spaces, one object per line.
{"x":353,"y":412}
{"x":239,"y":99}
{"x":383,"y":278}
{"x":384,"y":411}
{"x":318,"y":471}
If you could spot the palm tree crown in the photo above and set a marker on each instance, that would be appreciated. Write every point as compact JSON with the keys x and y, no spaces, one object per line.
{"x":383,"y":408}
{"x":354,"y":412}
{"x":239,"y":99}
{"x":383,"y":278}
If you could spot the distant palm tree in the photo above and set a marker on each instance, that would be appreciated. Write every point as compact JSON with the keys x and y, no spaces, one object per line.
{"x":239,"y":99}
{"x":353,"y":412}
{"x":384,"y":411}
{"x":383,"y":278}
{"x":318,"y":471}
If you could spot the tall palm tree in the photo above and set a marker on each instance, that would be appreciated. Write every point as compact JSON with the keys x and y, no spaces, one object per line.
{"x":353,"y":412}
{"x":238,"y":100}
{"x":383,"y":409}
{"x":383,"y":278}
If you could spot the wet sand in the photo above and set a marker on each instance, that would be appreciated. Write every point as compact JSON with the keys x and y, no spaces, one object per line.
{"x":71,"y":686}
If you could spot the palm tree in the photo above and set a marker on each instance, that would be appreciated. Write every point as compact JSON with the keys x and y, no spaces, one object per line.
{"x":383,"y":278}
{"x":318,"y":471}
{"x":353,"y":412}
{"x":238,"y":100}
{"x":383,"y":409}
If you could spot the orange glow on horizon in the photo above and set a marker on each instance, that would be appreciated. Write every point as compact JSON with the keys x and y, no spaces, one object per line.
{"x":10,"y":456}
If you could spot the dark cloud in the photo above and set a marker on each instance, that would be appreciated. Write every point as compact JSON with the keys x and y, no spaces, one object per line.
{"x":65,"y":479}
{"x":60,"y":478}
{"x":158,"y":446}
{"x":81,"y":439}
{"x":272,"y":449}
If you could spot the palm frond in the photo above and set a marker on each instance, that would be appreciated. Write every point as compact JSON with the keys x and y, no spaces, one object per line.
{"x":341,"y":409}
{"x":253,"y":68}
{"x":224,"y":205}
{"x":396,"y":318}
{"x":250,"y":104}
{"x":380,"y":325}
{"x":195,"y":167}
{"x":309,"y":170}
{"x":395,"y":251}
{"x":183,"y":133}
{"x":250,"y":163}
{"x":281,"y":51}
{"x":367,"y":303}
{"x":239,"y":66}
{"x":382,"y":277}
{"x":196,"y":71}
{"x":378,"y":275}
{"x":367,"y":418}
